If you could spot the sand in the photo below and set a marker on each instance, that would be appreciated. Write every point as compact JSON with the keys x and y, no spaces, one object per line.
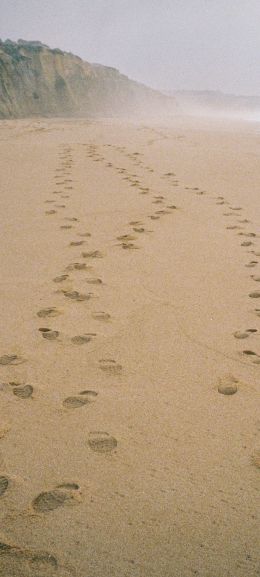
{"x":129,"y":351}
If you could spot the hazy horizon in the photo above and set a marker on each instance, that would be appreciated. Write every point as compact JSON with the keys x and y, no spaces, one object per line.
{"x":177,"y":45}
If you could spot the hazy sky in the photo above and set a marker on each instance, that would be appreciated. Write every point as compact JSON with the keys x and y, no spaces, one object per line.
{"x":168,"y":44}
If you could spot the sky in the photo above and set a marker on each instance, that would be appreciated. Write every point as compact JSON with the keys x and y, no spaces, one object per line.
{"x":167,"y":44}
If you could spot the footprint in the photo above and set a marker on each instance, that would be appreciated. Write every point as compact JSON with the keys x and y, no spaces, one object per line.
{"x":50,"y":311}
{"x":228,"y":385}
{"x":255,"y":459}
{"x":153,"y":217}
{"x":23,"y":392}
{"x":82,"y":339}
{"x":257,"y":311}
{"x":77,"y":242}
{"x":11,"y":360}
{"x":248,"y":234}
{"x":50,"y":211}
{"x":254,"y":295}
{"x":92,"y":254}
{"x":95,"y":281}
{"x":245,"y":334}
{"x":4,"y":482}
{"x":86,"y":234}
{"x":251,"y":264}
{"x":126,"y":237}
{"x":249,"y":353}
{"x":101,"y":316}
{"x":60,"y":278}
{"x":136,"y":229}
{"x":233,"y":227}
{"x":110,"y":366}
{"x":247,"y":243}
{"x":66,"y":226}
{"x":78,"y":266}
{"x":128,"y":246}
{"x":75,"y":402}
{"x":255,"y":278}
{"x":18,"y":562}
{"x":89,"y":395}
{"x":101,"y":442}
{"x":84,"y":398}
{"x":76,"y":296}
{"x":49,"y":334}
{"x":70,"y":486}
{"x":51,"y":500}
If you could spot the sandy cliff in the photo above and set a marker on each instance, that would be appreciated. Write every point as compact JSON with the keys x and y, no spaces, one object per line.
{"x":38,"y":81}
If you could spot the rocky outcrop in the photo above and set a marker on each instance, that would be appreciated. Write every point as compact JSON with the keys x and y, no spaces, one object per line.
{"x":38,"y":81}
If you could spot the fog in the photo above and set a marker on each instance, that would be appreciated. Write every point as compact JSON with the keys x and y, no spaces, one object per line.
{"x":167,"y":44}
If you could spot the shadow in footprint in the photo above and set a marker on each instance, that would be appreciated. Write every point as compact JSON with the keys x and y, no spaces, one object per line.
{"x":83,"y":339}
{"x":76,"y":243}
{"x":60,"y":278}
{"x":49,"y":334}
{"x":78,"y":266}
{"x":101,"y":316}
{"x":101,"y":442}
{"x":95,"y":281}
{"x":11,"y":360}
{"x":254,"y":295}
{"x":244,"y":334}
{"x":51,"y":500}
{"x":255,"y":459}
{"x":4,"y":483}
{"x":23,"y":392}
{"x":84,"y":398}
{"x":50,"y":311}
{"x":76,"y":296}
{"x":110,"y":367}
{"x":92,"y":254}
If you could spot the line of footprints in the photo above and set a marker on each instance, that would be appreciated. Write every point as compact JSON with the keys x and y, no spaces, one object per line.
{"x":239,"y":225}
{"x":99,"y":441}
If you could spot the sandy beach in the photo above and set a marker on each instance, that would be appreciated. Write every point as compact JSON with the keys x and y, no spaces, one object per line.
{"x":129,"y":349}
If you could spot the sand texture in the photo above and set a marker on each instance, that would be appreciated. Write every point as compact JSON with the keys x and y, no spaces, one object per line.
{"x":129,"y":349}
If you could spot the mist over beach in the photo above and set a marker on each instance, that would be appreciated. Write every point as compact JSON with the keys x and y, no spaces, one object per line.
{"x":129,"y":349}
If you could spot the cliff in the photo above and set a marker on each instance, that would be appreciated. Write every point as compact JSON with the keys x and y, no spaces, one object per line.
{"x":38,"y":81}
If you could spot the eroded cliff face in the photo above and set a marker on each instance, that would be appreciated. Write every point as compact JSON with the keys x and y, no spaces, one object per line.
{"x":38,"y":81}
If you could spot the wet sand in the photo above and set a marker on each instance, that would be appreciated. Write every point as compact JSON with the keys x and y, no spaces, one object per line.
{"x":129,"y":349}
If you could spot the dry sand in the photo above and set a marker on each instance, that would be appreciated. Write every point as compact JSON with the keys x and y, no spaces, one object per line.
{"x":120,"y":456}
